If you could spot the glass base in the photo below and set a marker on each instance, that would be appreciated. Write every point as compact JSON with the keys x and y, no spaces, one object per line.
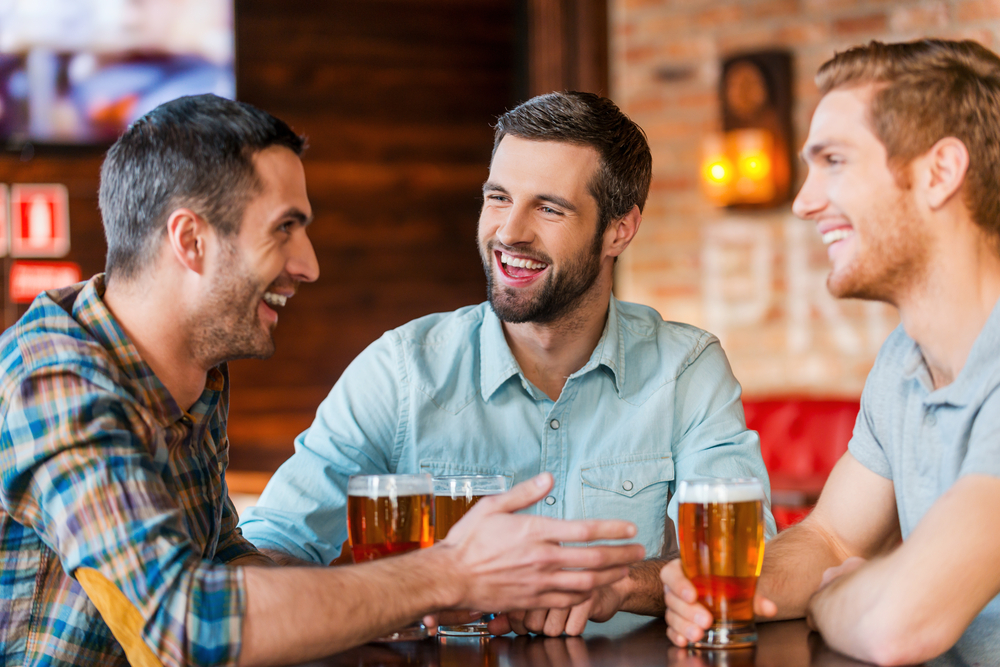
{"x":729,"y":635}
{"x":410,"y":633}
{"x":477,"y":629}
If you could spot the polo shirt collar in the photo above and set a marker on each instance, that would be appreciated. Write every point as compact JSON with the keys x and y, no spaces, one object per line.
{"x":980,"y":367}
{"x":497,"y":362}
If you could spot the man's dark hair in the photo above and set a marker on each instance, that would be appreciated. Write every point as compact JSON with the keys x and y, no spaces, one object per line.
{"x":194,"y":152}
{"x":585,"y":119}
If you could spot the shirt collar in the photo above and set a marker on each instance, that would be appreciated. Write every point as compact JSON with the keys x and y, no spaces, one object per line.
{"x":497,"y":362}
{"x":93,"y":315}
{"x":979,"y":367}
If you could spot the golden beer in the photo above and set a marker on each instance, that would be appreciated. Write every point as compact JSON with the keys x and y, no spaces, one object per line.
{"x":454,"y":495}
{"x":388,"y":515}
{"x":380,"y":527}
{"x":720,"y":526}
{"x":448,"y":510}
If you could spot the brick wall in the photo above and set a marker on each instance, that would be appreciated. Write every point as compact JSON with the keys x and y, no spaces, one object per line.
{"x":755,"y":279}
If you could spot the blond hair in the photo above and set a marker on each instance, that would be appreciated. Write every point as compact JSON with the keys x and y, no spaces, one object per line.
{"x":925,"y":91}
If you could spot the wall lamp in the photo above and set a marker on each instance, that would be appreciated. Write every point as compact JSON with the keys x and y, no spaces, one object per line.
{"x":749,"y":164}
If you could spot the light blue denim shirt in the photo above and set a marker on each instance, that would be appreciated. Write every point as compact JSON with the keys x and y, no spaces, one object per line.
{"x":656,"y":403}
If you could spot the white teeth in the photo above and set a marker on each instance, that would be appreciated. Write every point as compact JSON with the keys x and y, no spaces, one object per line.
{"x":838,"y":234}
{"x":272,"y":299}
{"x":522,"y":263}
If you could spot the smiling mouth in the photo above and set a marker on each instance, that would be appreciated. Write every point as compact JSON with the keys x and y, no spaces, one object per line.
{"x":838,"y":234}
{"x":275,"y":300}
{"x":519,"y":267}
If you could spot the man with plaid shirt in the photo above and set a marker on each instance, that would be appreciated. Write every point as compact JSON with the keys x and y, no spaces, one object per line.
{"x":117,"y":537}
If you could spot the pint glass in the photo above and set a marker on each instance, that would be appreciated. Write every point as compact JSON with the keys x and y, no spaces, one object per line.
{"x":720,"y":526}
{"x":453,"y":496}
{"x":388,"y":515}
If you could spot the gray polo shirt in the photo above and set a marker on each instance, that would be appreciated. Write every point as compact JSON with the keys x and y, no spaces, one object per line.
{"x":925,"y":439}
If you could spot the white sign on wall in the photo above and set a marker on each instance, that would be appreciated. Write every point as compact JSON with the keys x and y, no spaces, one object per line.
{"x":39,"y":220}
{"x":4,"y":221}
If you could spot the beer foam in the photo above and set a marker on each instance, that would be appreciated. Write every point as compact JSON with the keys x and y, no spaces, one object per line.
{"x":389,"y":486}
{"x":704,"y":491}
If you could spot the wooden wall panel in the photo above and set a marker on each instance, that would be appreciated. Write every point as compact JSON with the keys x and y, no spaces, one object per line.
{"x":396,"y":98}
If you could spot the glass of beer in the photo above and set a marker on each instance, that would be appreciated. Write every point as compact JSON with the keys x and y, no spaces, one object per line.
{"x":453,"y":496}
{"x":388,"y":515}
{"x":720,"y":526}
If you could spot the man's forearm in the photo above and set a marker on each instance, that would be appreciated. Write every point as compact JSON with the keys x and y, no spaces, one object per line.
{"x":794,"y":563}
{"x":839,"y":611}
{"x":296,"y":614}
{"x":643,"y":590}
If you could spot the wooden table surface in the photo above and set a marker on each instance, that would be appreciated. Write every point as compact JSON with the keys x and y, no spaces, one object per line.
{"x":624,"y":641}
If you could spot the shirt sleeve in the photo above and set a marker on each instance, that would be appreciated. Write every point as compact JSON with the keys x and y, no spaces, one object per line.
{"x":303,"y":509}
{"x":77,"y":470}
{"x":710,"y":437}
{"x":866,"y":445}
{"x":232,"y":544}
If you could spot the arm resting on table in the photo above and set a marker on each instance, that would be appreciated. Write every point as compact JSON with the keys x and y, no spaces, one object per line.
{"x":915,"y":603}
{"x":855,"y":516}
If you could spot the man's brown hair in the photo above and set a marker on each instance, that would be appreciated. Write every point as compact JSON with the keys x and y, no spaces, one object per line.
{"x":925,"y":91}
{"x":586,"y":119}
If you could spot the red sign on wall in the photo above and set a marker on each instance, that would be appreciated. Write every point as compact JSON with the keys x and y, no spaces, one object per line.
{"x":4,"y":223}
{"x":39,"y":221}
{"x":29,"y":279}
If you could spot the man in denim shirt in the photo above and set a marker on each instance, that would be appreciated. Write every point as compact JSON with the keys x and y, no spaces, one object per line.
{"x":552,"y":374}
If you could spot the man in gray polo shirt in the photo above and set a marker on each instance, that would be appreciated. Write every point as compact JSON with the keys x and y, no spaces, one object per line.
{"x":898,"y":562}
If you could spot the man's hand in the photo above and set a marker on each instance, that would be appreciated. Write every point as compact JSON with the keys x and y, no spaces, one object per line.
{"x":600,"y":606}
{"x":686,"y":618}
{"x":848,"y":566}
{"x":505,"y":561}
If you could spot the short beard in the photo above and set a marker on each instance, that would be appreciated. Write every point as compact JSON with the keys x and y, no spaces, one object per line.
{"x":892,"y":262}
{"x":228,"y":327}
{"x":558,"y":296}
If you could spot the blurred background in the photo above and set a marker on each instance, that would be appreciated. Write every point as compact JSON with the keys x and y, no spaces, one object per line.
{"x":397,"y":98}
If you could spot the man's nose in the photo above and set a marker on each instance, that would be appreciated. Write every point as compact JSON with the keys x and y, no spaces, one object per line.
{"x":811,"y":199}
{"x":302,"y":264}
{"x":516,"y":227}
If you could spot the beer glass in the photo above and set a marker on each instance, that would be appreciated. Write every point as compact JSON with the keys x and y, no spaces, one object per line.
{"x":453,"y":496}
{"x":720,"y":526}
{"x":388,"y":515}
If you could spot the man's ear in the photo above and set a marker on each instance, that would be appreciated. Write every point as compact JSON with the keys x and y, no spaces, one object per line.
{"x":944,"y":169}
{"x":187,"y":233}
{"x":621,"y":232}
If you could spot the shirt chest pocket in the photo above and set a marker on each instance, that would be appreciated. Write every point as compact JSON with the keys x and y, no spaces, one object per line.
{"x":635,"y":489}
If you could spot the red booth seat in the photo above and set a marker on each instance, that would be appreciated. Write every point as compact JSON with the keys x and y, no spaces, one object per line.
{"x":801,"y":440}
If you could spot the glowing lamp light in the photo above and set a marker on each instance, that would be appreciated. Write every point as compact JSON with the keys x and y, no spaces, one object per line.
{"x":737,"y":167}
{"x":717,"y":170}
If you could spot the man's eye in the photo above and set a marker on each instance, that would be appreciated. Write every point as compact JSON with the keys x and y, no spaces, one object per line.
{"x":496,"y":198}
{"x":550,"y":211}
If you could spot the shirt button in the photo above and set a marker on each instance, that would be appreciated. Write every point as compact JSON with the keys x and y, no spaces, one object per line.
{"x":554,"y":424}
{"x":931,"y":419}
{"x":627,"y":485}
{"x":550,"y":500}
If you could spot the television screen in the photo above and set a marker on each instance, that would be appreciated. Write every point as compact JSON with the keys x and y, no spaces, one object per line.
{"x":79,"y":71}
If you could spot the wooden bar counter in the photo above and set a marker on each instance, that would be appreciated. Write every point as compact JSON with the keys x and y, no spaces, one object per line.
{"x":624,"y":641}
